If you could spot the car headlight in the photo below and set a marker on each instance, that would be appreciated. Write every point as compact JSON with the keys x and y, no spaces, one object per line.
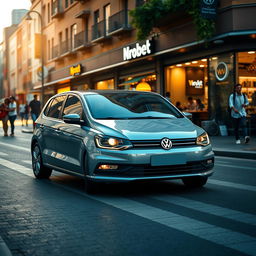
{"x":112,"y":143}
{"x":203,"y":140}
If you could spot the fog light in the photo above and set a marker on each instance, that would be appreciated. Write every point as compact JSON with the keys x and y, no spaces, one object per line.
{"x":209,"y":161}
{"x":108,"y":167}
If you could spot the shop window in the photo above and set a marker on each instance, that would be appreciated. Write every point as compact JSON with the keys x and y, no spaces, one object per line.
{"x":247,"y":77}
{"x":139,"y":83}
{"x":105,"y":85}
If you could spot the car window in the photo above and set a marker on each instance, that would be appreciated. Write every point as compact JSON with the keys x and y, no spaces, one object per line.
{"x":55,"y":107}
{"x":47,"y":108}
{"x":73,"y":106}
{"x":125,"y":105}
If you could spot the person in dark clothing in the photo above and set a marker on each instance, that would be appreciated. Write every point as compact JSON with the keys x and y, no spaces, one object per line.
{"x":35,"y":109}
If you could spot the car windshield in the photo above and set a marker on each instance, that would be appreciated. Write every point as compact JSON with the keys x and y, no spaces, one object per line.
{"x":126,"y":105}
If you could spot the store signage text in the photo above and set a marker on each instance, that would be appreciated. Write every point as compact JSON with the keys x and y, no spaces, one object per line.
{"x":198,"y":84}
{"x":221,"y":71}
{"x":138,"y":50}
{"x":76,"y":70}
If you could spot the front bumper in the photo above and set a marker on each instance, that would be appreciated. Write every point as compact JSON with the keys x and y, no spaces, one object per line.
{"x":137,"y":164}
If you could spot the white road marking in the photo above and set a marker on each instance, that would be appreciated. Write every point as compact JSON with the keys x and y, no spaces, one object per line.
{"x":16,"y":167}
{"x":3,"y":154}
{"x":27,"y":161}
{"x":231,"y":239}
{"x":236,"y":167}
{"x":232,"y":185}
{"x":15,"y":146}
{"x":209,"y":208}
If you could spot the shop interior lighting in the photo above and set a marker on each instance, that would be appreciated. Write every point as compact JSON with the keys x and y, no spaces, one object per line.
{"x":203,"y":60}
{"x":187,"y":63}
{"x":201,"y":66}
{"x":214,"y":58}
{"x":195,"y":61}
{"x":251,"y":52}
{"x":179,"y":65}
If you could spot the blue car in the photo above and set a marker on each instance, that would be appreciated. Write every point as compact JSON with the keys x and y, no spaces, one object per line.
{"x":119,"y":136}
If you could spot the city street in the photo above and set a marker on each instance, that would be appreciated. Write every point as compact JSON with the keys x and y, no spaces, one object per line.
{"x":56,"y":216}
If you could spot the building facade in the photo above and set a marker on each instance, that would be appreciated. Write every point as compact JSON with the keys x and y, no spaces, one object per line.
{"x":92,"y":45}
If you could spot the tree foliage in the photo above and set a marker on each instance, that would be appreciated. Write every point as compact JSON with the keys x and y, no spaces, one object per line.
{"x":146,"y":17}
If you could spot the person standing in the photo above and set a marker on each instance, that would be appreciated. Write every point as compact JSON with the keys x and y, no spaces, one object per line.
{"x":4,"y":109}
{"x":191,"y":106}
{"x":35,"y":108}
{"x":237,"y":103}
{"x":12,"y":113}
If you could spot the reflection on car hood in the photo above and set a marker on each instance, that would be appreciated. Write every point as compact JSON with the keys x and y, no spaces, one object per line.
{"x":148,"y":128}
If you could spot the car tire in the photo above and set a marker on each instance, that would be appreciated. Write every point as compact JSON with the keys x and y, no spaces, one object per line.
{"x":195,"y":182}
{"x":39,"y":170}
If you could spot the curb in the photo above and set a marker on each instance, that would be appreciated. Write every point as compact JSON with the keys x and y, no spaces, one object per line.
{"x":4,"y":250}
{"x":236,"y":154}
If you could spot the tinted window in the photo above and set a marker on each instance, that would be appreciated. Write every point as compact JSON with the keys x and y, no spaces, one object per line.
{"x":55,"y":108}
{"x":130,"y":106}
{"x":73,"y":106}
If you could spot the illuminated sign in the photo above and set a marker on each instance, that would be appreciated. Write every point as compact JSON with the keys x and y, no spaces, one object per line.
{"x":196,"y":84}
{"x":76,"y":70}
{"x":138,"y":50}
{"x":221,"y":71}
{"x":209,"y":9}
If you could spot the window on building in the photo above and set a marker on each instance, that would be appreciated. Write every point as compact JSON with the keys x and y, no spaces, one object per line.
{"x":66,"y":3}
{"x":73,"y":33}
{"x":48,"y":13}
{"x":96,"y":17}
{"x":71,"y":1}
{"x":49,"y":49}
{"x":106,"y":17}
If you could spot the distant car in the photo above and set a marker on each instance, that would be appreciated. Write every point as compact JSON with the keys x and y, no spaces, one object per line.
{"x":119,"y":136}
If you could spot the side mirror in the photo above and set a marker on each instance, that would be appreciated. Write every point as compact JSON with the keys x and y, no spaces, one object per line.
{"x":72,"y":119}
{"x":188,"y":115}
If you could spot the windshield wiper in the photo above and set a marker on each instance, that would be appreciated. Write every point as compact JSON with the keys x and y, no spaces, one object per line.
{"x":149,"y":117}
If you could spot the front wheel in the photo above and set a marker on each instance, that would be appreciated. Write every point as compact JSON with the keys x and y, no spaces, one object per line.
{"x":39,"y":170}
{"x":195,"y":182}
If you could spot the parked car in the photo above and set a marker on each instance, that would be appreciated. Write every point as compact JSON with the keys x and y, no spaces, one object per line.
{"x":114,"y":136}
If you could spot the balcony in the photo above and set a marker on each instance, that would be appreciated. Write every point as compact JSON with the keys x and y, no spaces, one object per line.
{"x":119,"y":23}
{"x":99,"y":32}
{"x":82,"y":40}
{"x":64,"y":47}
{"x":57,"y":9}
{"x":55,"y":52}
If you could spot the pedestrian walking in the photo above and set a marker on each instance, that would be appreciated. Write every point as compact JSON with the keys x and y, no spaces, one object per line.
{"x":24,"y":111}
{"x":12,"y":114}
{"x":35,"y":109}
{"x":4,"y":110}
{"x":237,"y":103}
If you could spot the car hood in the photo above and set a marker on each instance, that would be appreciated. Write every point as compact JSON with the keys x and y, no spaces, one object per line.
{"x":152,"y":129}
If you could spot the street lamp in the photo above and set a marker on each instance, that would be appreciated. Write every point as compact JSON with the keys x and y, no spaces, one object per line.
{"x":42,"y":51}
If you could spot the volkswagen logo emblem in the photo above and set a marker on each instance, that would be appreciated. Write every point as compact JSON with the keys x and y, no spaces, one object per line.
{"x":166,"y":143}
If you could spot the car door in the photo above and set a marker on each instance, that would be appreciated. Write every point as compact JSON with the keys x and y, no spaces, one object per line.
{"x":49,"y":130}
{"x":70,"y":146}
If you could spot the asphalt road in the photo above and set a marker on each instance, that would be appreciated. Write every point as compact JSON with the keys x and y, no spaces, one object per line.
{"x":56,"y":217}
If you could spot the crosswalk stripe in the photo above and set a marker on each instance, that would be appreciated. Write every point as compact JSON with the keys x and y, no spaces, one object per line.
{"x":209,"y":208}
{"x":235,"y":240}
{"x":232,"y":185}
{"x":16,"y":167}
{"x":27,"y":161}
{"x":231,"y":239}
{"x":15,"y":146}
{"x":236,"y":166}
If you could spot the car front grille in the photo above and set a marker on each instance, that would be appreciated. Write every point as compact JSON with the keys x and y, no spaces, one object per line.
{"x":157,"y":171}
{"x":140,"y":144}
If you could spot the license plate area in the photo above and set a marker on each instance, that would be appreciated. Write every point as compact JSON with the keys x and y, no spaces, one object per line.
{"x":168,"y":159}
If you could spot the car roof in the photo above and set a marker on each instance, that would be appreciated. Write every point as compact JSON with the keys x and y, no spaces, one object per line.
{"x":105,"y":91}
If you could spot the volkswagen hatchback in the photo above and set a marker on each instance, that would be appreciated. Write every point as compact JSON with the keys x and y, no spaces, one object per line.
{"x":119,"y":136}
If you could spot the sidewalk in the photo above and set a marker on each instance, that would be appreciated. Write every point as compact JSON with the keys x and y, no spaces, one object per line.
{"x":226,"y":146}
